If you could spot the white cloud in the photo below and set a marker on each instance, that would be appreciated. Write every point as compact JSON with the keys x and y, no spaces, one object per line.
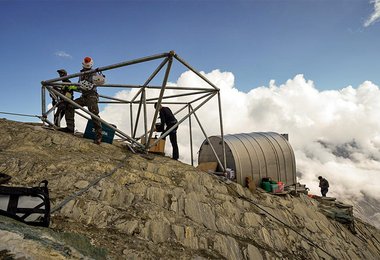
{"x":334,"y":133}
{"x":375,"y":16}
{"x":63,"y":54}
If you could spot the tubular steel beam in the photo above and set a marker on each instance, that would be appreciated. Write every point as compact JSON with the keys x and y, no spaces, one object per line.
{"x":157,"y":70}
{"x":221,"y":131}
{"x":114,"y":66}
{"x":131,"y":120}
{"x":180,"y":95}
{"x":208,"y":140}
{"x":196,"y":72}
{"x":146,"y":86}
{"x":43,"y":101}
{"x":145,"y":115}
{"x":140,"y":98}
{"x":175,"y":113}
{"x":94,"y":116}
{"x":197,"y":99}
{"x":160,"y":99}
{"x":180,"y":121}
{"x":142,"y":90}
{"x":191,"y":138}
{"x":113,"y":98}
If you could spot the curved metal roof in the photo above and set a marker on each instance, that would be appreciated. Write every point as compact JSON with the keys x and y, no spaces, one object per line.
{"x":258,"y":154}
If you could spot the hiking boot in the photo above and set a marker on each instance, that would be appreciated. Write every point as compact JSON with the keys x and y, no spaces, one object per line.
{"x":66,"y":130}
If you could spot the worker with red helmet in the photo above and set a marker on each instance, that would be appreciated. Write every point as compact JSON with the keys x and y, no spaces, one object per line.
{"x":88,"y":98}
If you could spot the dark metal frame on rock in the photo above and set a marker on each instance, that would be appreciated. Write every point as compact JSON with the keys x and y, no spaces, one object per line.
{"x":142,"y":101}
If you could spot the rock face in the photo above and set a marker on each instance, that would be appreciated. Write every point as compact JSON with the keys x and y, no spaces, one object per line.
{"x":152,"y":208}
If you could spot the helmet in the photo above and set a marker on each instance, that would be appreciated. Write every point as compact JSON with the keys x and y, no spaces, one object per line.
{"x":87,"y":63}
{"x":98,"y":79}
{"x":62,"y":71}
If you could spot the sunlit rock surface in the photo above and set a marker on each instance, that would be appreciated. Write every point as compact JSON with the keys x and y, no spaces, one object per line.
{"x":153,"y":208}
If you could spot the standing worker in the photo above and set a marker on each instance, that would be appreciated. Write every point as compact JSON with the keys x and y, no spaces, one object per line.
{"x":88,"y":98}
{"x":324,"y":184}
{"x":61,"y":106}
{"x":168,"y":119}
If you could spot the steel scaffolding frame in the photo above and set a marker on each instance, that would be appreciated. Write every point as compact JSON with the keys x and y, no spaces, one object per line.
{"x":142,"y":101}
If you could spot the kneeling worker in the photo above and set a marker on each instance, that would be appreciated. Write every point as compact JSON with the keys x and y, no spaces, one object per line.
{"x":167,"y":118}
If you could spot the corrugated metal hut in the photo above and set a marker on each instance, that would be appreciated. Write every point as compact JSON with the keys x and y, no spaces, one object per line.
{"x":258,"y":155}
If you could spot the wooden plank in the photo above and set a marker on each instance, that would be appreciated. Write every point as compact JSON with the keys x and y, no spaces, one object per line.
{"x":207,"y":166}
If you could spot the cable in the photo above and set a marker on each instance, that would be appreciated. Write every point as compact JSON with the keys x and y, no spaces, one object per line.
{"x":16,"y":114}
{"x":91,"y":184}
{"x":268,"y":213}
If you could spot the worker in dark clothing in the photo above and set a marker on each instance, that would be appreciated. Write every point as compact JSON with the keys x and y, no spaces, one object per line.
{"x":324,"y":185}
{"x":167,"y":118}
{"x":88,"y":98}
{"x":61,"y":106}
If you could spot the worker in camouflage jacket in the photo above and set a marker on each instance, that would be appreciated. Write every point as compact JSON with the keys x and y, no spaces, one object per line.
{"x":62,"y":104}
{"x":88,"y":98}
{"x":324,"y":185}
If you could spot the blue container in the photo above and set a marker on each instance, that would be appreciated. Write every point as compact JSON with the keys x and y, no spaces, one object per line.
{"x":107,"y":132}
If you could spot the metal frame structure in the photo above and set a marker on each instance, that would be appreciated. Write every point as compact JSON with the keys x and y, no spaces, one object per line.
{"x":201,"y":97}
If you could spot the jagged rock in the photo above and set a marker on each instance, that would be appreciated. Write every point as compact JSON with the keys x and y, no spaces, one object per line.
{"x":158,"y":208}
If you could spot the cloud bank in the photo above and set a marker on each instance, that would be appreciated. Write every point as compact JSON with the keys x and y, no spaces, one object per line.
{"x":63,"y":54}
{"x":334,"y":133}
{"x":375,"y":16}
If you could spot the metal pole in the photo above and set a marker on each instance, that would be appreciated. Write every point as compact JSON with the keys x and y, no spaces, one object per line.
{"x":159,"y":100}
{"x":178,"y":111}
{"x":49,"y":123}
{"x":94,"y":116}
{"x":179,"y":122}
{"x":114,"y":66}
{"x":114,"y":102}
{"x":196,"y":72}
{"x":116,"y":99}
{"x":221,"y":130}
{"x":197,"y":99}
{"x":181,"y":95}
{"x":138,"y":112}
{"x":43,"y":102}
{"x":142,"y":89}
{"x":155,"y":72}
{"x":50,"y":110}
{"x":79,"y":113}
{"x":208,"y":140}
{"x":131,"y":119}
{"x":145,"y":115}
{"x":180,"y":88}
{"x":107,"y":85}
{"x":191,"y":138}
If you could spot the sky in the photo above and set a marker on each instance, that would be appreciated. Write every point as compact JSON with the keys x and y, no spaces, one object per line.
{"x":309,"y":68}
{"x":334,"y":43}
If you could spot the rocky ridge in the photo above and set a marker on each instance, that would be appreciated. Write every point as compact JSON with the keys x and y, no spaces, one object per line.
{"x":157,"y":208}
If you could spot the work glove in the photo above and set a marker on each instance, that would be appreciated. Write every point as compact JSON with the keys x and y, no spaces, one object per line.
{"x":69,"y":88}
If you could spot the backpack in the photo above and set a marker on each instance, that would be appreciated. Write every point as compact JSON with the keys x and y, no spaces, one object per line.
{"x":28,"y":205}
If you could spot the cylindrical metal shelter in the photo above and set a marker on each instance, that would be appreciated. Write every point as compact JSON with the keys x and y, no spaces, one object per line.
{"x":255,"y":155}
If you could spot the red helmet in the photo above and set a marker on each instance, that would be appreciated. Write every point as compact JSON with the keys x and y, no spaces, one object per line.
{"x":87,"y":62}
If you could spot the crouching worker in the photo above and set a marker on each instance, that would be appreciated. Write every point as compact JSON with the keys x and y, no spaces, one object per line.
{"x":89,"y":98}
{"x":167,"y":118}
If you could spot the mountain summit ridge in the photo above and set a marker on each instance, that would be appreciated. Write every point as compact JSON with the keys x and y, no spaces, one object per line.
{"x":154,"y":207}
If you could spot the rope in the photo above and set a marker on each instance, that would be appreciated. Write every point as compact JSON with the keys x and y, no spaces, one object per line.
{"x":91,"y":184}
{"x":279,"y":220}
{"x":16,"y":114}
